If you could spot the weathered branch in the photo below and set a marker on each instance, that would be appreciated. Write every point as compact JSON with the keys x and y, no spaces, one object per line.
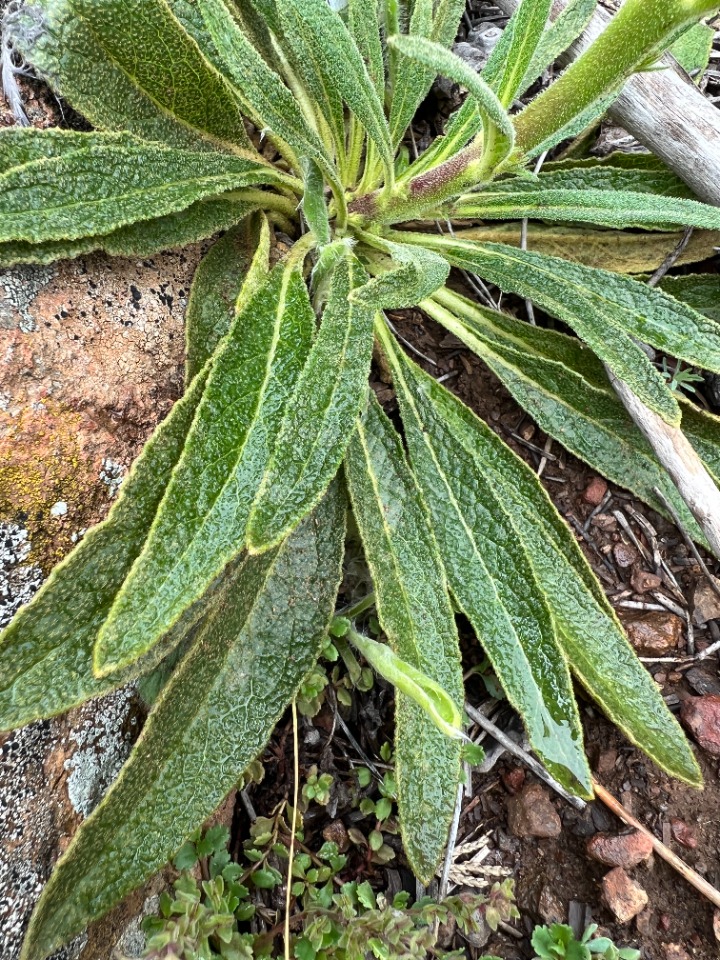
{"x":664,"y":110}
{"x":667,"y":113}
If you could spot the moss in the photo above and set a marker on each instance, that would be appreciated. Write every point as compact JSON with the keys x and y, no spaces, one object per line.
{"x":43,"y":462}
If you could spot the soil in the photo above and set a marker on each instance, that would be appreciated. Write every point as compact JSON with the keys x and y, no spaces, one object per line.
{"x":92,"y":355}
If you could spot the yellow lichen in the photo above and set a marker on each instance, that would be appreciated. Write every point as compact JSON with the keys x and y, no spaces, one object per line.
{"x":42,"y":463}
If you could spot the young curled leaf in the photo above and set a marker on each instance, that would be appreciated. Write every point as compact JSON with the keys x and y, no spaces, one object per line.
{"x":418,"y":273}
{"x":428,"y":694}
{"x":448,"y":64}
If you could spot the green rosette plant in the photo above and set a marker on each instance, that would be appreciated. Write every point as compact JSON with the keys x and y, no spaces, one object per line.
{"x":225,"y":546}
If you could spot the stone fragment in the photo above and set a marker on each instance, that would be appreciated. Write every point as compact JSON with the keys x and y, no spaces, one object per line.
{"x":701,"y":715}
{"x":673,"y":951}
{"x":702,"y":682}
{"x":594,"y":492}
{"x":606,"y":762}
{"x":620,"y":850}
{"x":336,"y":832}
{"x":514,"y":779}
{"x":625,"y":554}
{"x":653,"y":634}
{"x":550,"y":906}
{"x":642,"y":581}
{"x":531,"y":814}
{"x":625,"y":898}
{"x":706,"y":603}
{"x":683,"y":833}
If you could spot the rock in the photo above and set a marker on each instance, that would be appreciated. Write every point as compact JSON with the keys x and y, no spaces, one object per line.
{"x":550,"y":906}
{"x":683,"y":833}
{"x":625,"y":898}
{"x":701,"y":715}
{"x":594,"y":492}
{"x":620,"y":850}
{"x":653,"y":634}
{"x":531,"y":814}
{"x":643,"y":582}
{"x":625,"y":555}
{"x":673,"y":951}
{"x":606,"y":762}
{"x":336,"y":832}
{"x":514,"y":779}
{"x":702,"y":682}
{"x":706,"y":603}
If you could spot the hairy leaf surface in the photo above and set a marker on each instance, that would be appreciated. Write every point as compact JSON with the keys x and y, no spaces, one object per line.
{"x":418,"y":273}
{"x":103,"y":188}
{"x":491,"y":577}
{"x":448,"y":64}
{"x":46,"y":652}
{"x":699,"y":291}
{"x":200,"y":220}
{"x":364,"y":24}
{"x":606,"y":310}
{"x":513,"y":54}
{"x":608,"y":208}
{"x":320,"y":417}
{"x":557,"y":37}
{"x":200,"y":525}
{"x":565,"y":389}
{"x":591,"y":637}
{"x":260,"y":88}
{"x":314,"y":31}
{"x":213,"y":718}
{"x":416,"y":614}
{"x":129,"y":65}
{"x":216,"y":287}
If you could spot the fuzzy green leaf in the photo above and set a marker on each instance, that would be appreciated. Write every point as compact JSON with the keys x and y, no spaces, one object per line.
{"x":102,"y":188}
{"x":418,"y":274}
{"x":410,"y":81}
{"x":318,"y":424}
{"x":598,"y":652}
{"x":239,"y":258}
{"x":129,"y":65}
{"x":444,"y":62}
{"x":607,"y":311}
{"x":314,"y":205}
{"x":201,"y":220}
{"x":621,"y":209}
{"x":564,"y":387}
{"x":511,"y":59}
{"x":313,"y":30}
{"x":21,"y":145}
{"x":557,"y":37}
{"x":416,"y":615}
{"x":46,"y":651}
{"x":211,"y":721}
{"x":200,"y":525}
{"x":491,"y":577}
{"x":364,"y":24}
{"x":699,"y":291}
{"x":261,"y":90}
{"x":638,"y":173}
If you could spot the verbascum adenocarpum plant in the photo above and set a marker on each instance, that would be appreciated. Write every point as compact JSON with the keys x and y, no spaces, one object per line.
{"x":224,"y":548}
